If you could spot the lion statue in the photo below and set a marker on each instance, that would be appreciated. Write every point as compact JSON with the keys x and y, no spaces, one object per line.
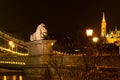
{"x":40,"y":33}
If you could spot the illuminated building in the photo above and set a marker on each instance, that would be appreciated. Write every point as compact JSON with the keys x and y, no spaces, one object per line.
{"x":112,"y":36}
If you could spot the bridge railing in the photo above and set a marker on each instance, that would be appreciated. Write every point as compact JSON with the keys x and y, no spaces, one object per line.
{"x":20,"y":60}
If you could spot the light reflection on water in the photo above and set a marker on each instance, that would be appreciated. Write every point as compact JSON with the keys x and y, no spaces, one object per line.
{"x":11,"y":77}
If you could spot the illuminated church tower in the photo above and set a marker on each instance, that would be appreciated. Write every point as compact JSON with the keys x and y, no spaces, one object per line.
{"x":103,"y":26}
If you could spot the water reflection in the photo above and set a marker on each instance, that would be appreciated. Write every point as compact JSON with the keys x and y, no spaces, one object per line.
{"x":4,"y":77}
{"x":11,"y":77}
{"x":20,"y":77}
{"x":14,"y":77}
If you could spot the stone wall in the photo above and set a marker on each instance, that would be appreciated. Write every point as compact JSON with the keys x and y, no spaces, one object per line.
{"x":43,"y":64}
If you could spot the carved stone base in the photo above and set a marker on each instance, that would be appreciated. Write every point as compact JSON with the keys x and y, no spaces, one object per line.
{"x":37,"y":62}
{"x":37,"y":73}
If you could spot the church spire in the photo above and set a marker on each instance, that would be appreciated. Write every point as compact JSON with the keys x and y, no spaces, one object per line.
{"x":103,"y":26}
{"x":103,"y":18}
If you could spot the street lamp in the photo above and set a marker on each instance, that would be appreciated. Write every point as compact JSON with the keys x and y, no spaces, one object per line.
{"x":95,"y":39}
{"x":89,"y":32}
{"x":11,"y":44}
{"x":91,"y":50}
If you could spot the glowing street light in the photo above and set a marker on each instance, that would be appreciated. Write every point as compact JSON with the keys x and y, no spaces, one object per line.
{"x":11,"y":44}
{"x":89,"y":32}
{"x":95,"y":39}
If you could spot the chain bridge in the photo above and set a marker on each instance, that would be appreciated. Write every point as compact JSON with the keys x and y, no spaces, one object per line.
{"x":14,"y":59}
{"x":13,"y":54}
{"x":12,"y":50}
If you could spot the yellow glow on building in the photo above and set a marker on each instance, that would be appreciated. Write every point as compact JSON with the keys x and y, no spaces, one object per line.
{"x":52,"y":43}
{"x":111,"y":40}
{"x":113,"y":37}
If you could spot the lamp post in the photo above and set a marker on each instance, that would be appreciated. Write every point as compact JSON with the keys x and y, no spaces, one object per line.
{"x":95,"y":40}
{"x":89,"y":33}
{"x":90,"y":59}
{"x":12,"y":46}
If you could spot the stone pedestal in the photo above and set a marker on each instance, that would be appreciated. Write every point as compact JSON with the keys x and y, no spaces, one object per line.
{"x":37,"y":61}
{"x":39,"y":51}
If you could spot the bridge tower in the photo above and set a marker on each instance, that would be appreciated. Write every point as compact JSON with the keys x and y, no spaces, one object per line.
{"x":38,"y":60}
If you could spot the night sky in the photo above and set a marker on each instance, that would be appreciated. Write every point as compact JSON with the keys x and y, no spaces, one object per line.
{"x":60,"y":16}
